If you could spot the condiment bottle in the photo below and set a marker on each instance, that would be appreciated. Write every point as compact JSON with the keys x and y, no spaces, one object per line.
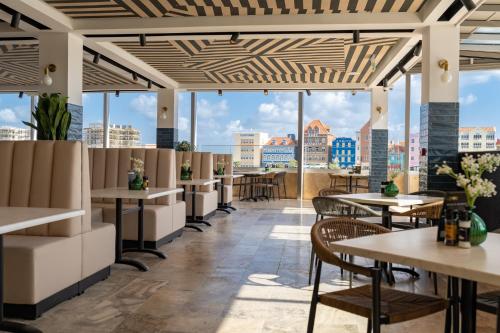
{"x":451,"y":228}
{"x":145,"y":183}
{"x":464,"y":229}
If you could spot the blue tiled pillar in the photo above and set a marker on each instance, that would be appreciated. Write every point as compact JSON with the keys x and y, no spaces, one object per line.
{"x":166,"y":137}
{"x":439,"y":142}
{"x":378,"y":158}
{"x":75,"y":132}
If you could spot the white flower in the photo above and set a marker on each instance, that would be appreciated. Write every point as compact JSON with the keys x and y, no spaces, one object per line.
{"x":444,"y":169}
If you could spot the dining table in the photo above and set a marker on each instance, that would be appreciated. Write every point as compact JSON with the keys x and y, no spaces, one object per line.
{"x":419,"y":248}
{"x":384,"y":202}
{"x":349,"y":177}
{"x":252,"y":176}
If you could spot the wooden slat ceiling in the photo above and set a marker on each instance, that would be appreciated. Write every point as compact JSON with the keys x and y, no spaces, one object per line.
{"x":311,"y":60}
{"x":19,"y":66}
{"x":161,"y":8}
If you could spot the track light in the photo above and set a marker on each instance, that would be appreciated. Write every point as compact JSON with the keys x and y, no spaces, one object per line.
{"x":16,"y":18}
{"x":117,"y":93}
{"x":150,"y":84}
{"x":21,"y":94}
{"x":469,"y":4}
{"x":234,"y":38}
{"x":97,"y":57}
{"x":134,"y":76}
{"x":219,"y":92}
{"x":417,"y":49}
{"x":355,"y":36}
{"x":385,"y":84}
{"x":401,"y":68}
{"x":266,"y":92}
{"x":308,"y":92}
{"x":142,"y":39}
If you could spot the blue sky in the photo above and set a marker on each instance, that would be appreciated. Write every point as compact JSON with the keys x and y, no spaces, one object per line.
{"x":219,"y":116}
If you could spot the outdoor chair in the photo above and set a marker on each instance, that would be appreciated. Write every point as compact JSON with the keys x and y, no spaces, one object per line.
{"x":278,"y":181}
{"x":338,"y":181}
{"x":490,"y":303}
{"x":331,"y":191}
{"x":381,"y":306}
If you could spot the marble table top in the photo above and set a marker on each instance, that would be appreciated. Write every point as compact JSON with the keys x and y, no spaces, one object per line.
{"x":17,"y":218}
{"x":125,"y":193}
{"x":419,"y":248}
{"x":197,"y":182}
{"x":228,"y":176}
{"x":377,"y":199}
{"x":253,"y":173}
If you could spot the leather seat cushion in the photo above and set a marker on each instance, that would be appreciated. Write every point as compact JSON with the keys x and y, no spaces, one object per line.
{"x":98,"y":248}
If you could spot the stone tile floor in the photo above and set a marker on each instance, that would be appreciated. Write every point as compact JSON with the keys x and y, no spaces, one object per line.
{"x":247,"y":273}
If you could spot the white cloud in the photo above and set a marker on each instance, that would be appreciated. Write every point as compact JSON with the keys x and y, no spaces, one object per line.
{"x":183,"y":123}
{"x":145,"y":104}
{"x":8,"y":115}
{"x":467,"y":100}
{"x":478,"y":77}
{"x":205,"y":109}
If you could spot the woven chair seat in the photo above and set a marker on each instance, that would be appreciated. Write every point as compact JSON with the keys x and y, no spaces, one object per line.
{"x":488,"y":302}
{"x":396,"y":306}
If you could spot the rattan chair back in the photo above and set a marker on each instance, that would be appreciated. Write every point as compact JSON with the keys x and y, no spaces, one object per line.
{"x":331,"y":191}
{"x":331,"y":207}
{"x":328,"y":231}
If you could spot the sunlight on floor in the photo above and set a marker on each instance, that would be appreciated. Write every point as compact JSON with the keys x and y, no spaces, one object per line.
{"x":291,"y":232}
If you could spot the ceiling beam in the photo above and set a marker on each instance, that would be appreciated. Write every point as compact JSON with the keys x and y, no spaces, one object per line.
{"x":260,"y":23}
{"x":433,"y":9}
{"x":272,"y":86}
{"x":391,"y":59}
{"x":480,"y":47}
{"x":86,"y":88}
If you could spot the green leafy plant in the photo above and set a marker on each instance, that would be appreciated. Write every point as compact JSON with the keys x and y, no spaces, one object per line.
{"x":52,"y":117}
{"x":184,"y":146}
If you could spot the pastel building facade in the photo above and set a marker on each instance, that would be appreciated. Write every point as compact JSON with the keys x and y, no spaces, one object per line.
{"x":344,"y":152}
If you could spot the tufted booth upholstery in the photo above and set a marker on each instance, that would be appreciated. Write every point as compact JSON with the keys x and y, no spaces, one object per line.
{"x":202,"y":168}
{"x":46,"y":259}
{"x":162,"y":216}
{"x":227,"y":159}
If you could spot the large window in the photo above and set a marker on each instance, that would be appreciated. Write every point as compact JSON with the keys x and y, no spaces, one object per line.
{"x":13,"y":110}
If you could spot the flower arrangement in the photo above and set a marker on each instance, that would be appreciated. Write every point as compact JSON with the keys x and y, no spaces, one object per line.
{"x":135,"y":180}
{"x":220,"y":167}
{"x":137,"y":165}
{"x":471,"y":180}
{"x":186,"y":170}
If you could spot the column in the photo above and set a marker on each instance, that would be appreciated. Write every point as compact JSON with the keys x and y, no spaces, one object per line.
{"x":440,"y":109}
{"x":105,"y":120}
{"x":300,"y":148}
{"x":194,"y":141}
{"x":406,"y":175}
{"x":65,"y":51}
{"x":379,"y":138}
{"x":167,"y":128}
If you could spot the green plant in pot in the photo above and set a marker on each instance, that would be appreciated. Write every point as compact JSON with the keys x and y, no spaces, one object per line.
{"x":184,"y":146}
{"x":138,"y":170}
{"x":52,"y":117}
{"x":221,"y":167}
{"x":391,"y":189}
{"x":186,"y":170}
{"x":475,"y":186}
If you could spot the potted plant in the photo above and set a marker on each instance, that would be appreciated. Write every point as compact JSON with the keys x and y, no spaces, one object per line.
{"x":220,"y":167}
{"x":52,"y":117}
{"x":391,"y":189}
{"x":186,"y":170}
{"x":184,"y":146}
{"x":475,"y":186}
{"x":138,"y":170}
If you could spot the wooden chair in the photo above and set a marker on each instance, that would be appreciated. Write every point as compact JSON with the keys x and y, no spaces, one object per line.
{"x":381,"y":306}
{"x":278,"y":181}
{"x":331,"y":191}
{"x":490,"y":303}
{"x":337,"y":181}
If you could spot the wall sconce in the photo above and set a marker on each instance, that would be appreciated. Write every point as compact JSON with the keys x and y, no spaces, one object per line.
{"x":47,"y":79}
{"x":379,"y":109}
{"x":164,"y":113}
{"x":446,"y":77}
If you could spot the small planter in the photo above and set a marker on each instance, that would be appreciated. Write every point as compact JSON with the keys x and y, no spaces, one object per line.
{"x":136,"y":184}
{"x":391,"y":190}
{"x":220,"y":171}
{"x":186,"y":173}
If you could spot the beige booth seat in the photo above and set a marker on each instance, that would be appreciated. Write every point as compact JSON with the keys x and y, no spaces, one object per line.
{"x":164,"y":217}
{"x":202,"y":167}
{"x":47,"y":264}
{"x":227,"y":159}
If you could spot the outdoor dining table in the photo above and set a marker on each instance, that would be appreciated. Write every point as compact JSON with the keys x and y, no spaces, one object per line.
{"x":252,"y":175}
{"x":192,"y":221}
{"x":222,"y":206}
{"x":419,"y":248}
{"x":18,"y":218}
{"x":384,"y":202}
{"x":120,"y":193}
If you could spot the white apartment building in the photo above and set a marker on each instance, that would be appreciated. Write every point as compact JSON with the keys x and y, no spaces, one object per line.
{"x":247,"y":149}
{"x":476,"y":139}
{"x":120,"y":136}
{"x":14,"y":133}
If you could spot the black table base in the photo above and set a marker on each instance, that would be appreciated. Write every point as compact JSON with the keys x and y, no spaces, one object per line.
{"x":157,"y":253}
{"x":223,"y":207}
{"x":192,"y":221}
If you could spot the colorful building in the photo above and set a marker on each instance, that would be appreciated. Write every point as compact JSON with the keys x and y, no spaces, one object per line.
{"x":344,"y":152}
{"x":279,"y":151}
{"x":414,"y":151}
{"x":247,"y":148}
{"x":477,"y":139}
{"x":364,"y":146}
{"x":396,"y":156}
{"x":317,"y":139}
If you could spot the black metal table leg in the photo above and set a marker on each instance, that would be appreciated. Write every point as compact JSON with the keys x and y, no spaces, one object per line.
{"x":10,"y":326}
{"x":221,"y":206}
{"x":193,"y":219}
{"x":140,"y":235}
{"x":468,"y":306}
{"x":119,"y":240}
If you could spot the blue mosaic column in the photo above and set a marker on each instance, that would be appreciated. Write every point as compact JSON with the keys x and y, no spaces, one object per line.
{"x":75,"y":132}
{"x":378,"y":158}
{"x":439,"y":143}
{"x":166,"y":137}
